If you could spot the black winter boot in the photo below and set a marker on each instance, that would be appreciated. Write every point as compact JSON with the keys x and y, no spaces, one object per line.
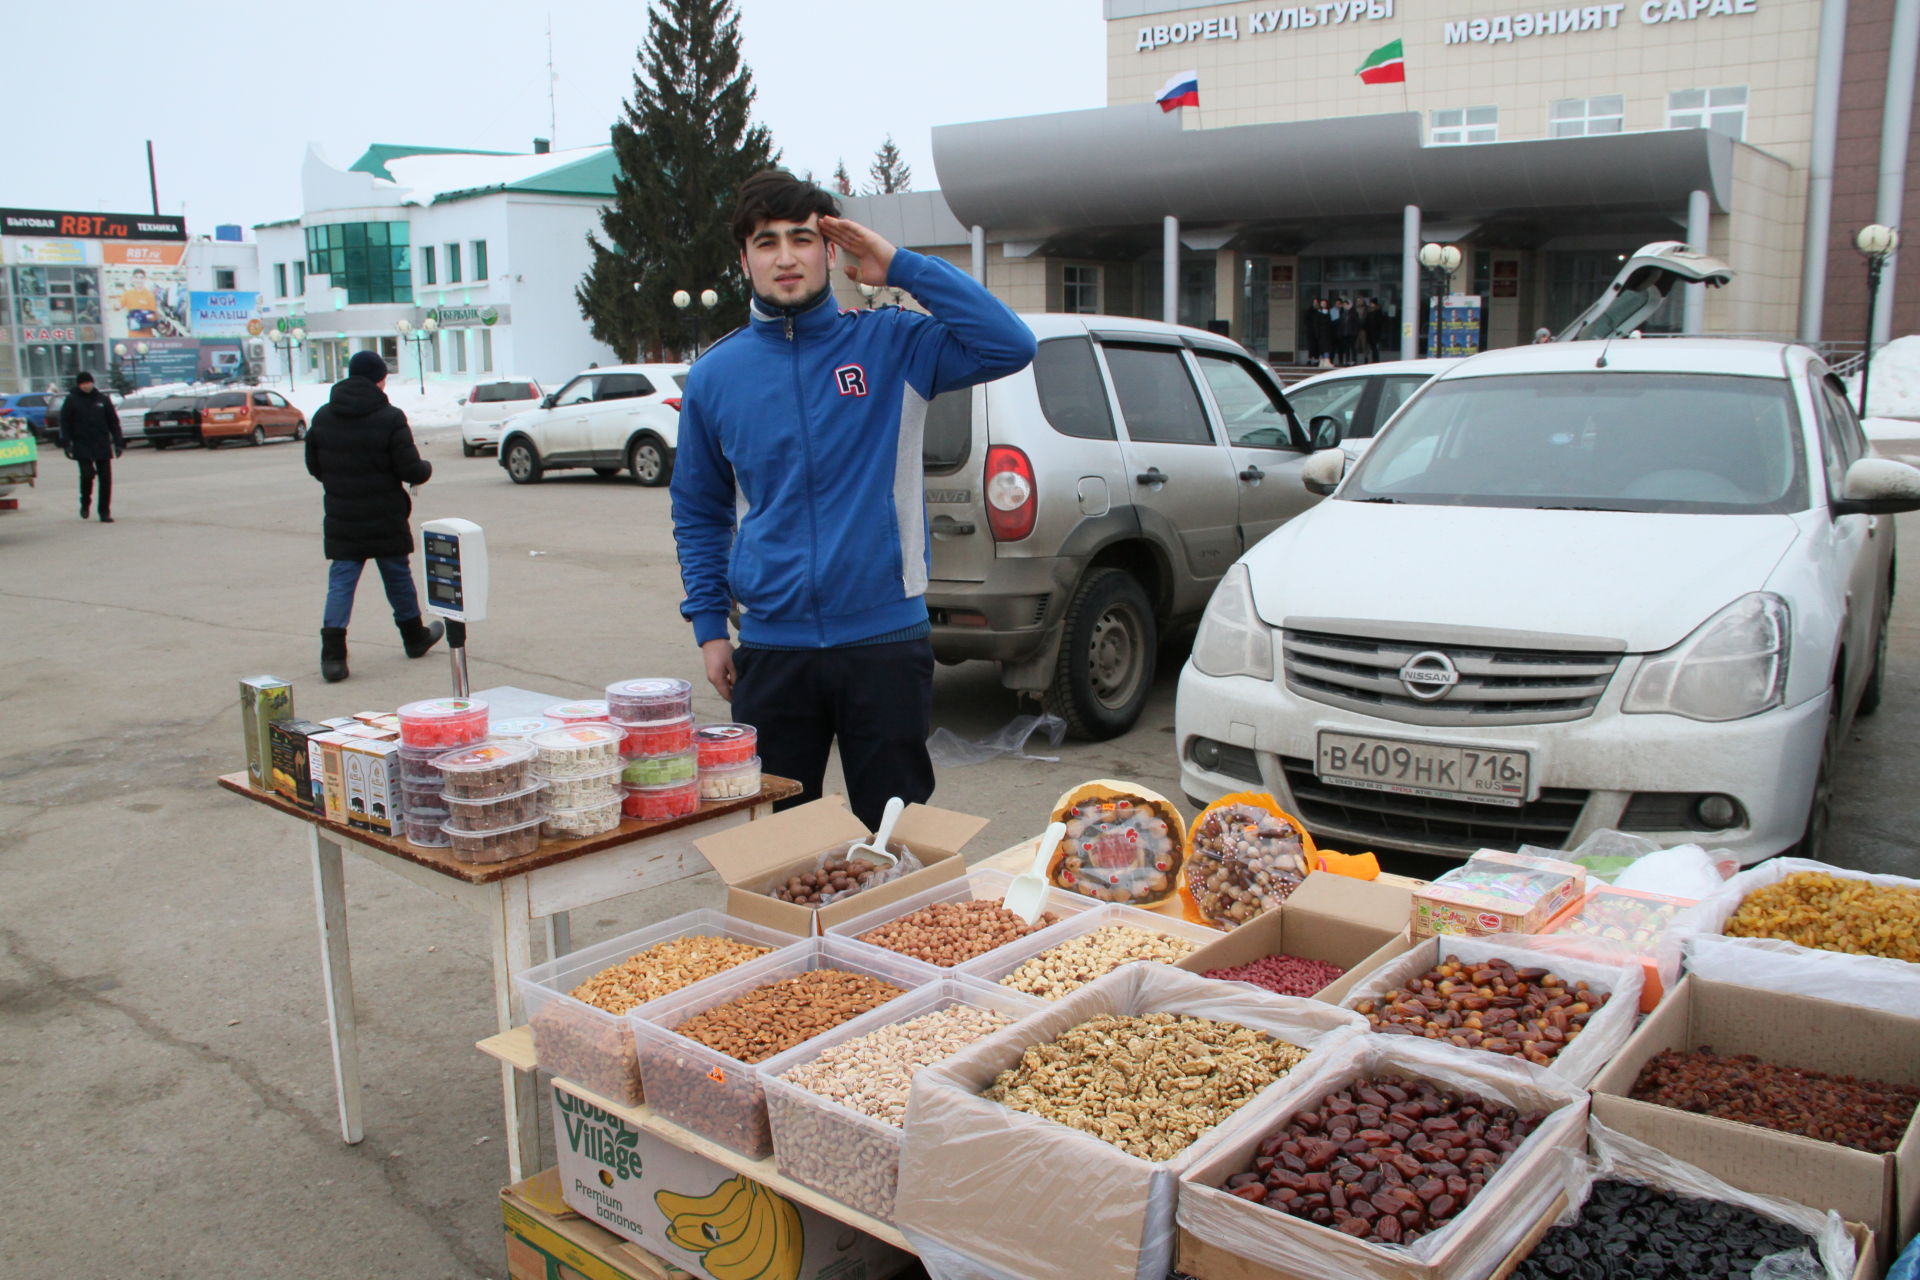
{"x":333,"y":654}
{"x":418,"y":638}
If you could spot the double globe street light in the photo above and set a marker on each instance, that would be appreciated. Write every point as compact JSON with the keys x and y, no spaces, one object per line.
{"x":419,"y":338}
{"x":1441,"y":261}
{"x":1877,"y":242}
{"x":139,"y":354}
{"x":708,"y":301}
{"x":287,"y":341}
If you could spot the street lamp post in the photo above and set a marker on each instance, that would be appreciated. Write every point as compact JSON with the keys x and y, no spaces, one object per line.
{"x":139,"y":354}
{"x":708,"y":301}
{"x":287,"y":341}
{"x":1441,"y":261}
{"x":1877,"y":243}
{"x":419,"y":338}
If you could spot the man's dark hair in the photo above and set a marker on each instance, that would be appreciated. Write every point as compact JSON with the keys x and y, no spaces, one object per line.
{"x":774,"y":195}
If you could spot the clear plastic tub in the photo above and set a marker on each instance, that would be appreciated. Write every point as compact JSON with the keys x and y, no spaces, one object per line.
{"x":587,"y":788}
{"x":414,"y":795}
{"x":519,"y":729}
{"x":655,"y":738}
{"x":492,"y":846}
{"x":654,"y":804}
{"x":423,"y":827}
{"x":577,"y":822}
{"x":589,"y":1046}
{"x":658,"y":771}
{"x":979,"y":885}
{"x":997,"y":964}
{"x":417,"y":768}
{"x":654,"y":698}
{"x":843,"y":1153}
{"x":576,"y":750}
{"x":494,"y":813}
{"x":446,"y":723}
{"x":732,"y":781}
{"x":719,"y":1096}
{"x":488,"y":770}
{"x":720,"y":744}
{"x":588,"y":711}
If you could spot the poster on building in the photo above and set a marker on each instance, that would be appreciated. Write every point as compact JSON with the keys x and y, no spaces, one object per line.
{"x":224,"y":315}
{"x":1453,"y":325}
{"x":165,"y":360}
{"x":221,"y":361}
{"x":53,"y":253}
{"x":146,"y":290}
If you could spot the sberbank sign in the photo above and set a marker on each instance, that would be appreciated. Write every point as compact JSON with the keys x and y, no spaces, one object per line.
{"x":599,"y":1136}
{"x":444,"y":316}
{"x":1534,"y":22}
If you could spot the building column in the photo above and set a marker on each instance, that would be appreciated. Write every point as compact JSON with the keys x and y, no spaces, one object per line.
{"x":1699,"y":218}
{"x":977,"y":238}
{"x":1170,"y":270}
{"x":1895,"y":123}
{"x":1410,"y":282}
{"x":1826,"y":123}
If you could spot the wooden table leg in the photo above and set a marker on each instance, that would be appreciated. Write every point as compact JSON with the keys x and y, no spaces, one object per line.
{"x":559,"y":934}
{"x":520,"y":1093}
{"x":330,"y":906}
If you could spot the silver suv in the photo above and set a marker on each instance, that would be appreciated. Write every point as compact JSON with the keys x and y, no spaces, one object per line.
{"x":1085,"y":507}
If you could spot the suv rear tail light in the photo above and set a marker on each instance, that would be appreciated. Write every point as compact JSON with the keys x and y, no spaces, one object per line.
{"x":1011,"y":505}
{"x":672,"y":402}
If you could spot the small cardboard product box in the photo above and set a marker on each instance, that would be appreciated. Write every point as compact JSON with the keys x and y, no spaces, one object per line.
{"x":760,"y":855}
{"x":1545,"y":887}
{"x":1609,"y":921}
{"x":548,"y":1241}
{"x":1356,"y":924}
{"x":696,"y":1214}
{"x":292,"y":769}
{"x":373,"y":791}
{"x":1880,"y":1191}
{"x":327,"y":773}
{"x":263,"y":699}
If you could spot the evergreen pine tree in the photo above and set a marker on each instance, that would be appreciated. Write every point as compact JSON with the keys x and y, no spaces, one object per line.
{"x":889,"y":172}
{"x":842,"y":180}
{"x":683,"y":146}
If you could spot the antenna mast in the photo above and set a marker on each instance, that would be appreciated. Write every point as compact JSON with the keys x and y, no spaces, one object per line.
{"x":553,"y":129}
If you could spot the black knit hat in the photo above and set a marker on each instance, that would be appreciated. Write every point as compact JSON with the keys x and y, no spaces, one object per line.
{"x":368,"y":365}
{"x":81,"y":379}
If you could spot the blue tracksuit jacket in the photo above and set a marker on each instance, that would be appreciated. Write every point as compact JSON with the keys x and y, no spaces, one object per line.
{"x":797,"y":480}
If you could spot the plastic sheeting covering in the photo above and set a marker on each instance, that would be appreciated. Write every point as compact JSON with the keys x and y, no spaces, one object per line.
{"x":949,"y":750}
{"x":1467,"y":1248}
{"x":1875,"y":982}
{"x":1617,"y":1156}
{"x":988,"y":1193}
{"x":1606,"y":1031}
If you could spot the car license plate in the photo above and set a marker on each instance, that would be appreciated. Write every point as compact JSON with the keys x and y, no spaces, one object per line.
{"x":1483,"y":775}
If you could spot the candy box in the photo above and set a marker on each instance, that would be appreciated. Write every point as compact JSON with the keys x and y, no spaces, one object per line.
{"x":658,"y":803}
{"x":446,"y":723}
{"x":323,"y":773}
{"x":1124,"y":844}
{"x":592,"y":711}
{"x":655,"y":737}
{"x":263,"y":699}
{"x":292,"y":768}
{"x":576,"y":750}
{"x":373,"y":786}
{"x":1631,"y":921}
{"x":722,"y":744}
{"x":658,"y":771}
{"x":657,"y":698}
{"x":488,"y":770}
{"x":1494,"y":893}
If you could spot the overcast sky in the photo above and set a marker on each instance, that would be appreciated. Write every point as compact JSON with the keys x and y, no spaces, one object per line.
{"x":232,"y":94}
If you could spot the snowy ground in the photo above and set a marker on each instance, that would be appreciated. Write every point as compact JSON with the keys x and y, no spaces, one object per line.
{"x":439,"y":406}
{"x":1895,"y":392}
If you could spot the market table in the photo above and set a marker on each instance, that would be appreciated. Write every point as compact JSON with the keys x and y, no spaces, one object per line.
{"x":509,"y":897}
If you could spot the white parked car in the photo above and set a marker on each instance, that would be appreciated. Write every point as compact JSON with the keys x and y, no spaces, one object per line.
{"x":1360,"y":398}
{"x":1629,"y":584}
{"x":623,"y":416}
{"x":488,"y":405}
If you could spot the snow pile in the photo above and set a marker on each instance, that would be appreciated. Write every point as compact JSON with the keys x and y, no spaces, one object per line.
{"x":438,"y":407}
{"x":1895,"y":392}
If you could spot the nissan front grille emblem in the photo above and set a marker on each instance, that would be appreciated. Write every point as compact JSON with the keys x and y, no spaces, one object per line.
{"x":1429,"y":676}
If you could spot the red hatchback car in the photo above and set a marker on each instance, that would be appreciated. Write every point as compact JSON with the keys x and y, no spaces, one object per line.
{"x":253,"y":416}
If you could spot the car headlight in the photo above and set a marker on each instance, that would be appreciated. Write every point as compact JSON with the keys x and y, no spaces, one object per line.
{"x":1734,"y":665}
{"x":1233,"y":641}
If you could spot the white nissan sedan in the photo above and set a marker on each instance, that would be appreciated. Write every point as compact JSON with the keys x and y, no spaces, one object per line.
{"x":1630,"y":584}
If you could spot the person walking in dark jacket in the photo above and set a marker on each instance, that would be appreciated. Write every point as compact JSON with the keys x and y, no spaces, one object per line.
{"x":90,"y":435}
{"x":361,"y":451}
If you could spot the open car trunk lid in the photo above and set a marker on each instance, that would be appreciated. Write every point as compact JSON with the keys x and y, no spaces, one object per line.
{"x":1640,"y":287}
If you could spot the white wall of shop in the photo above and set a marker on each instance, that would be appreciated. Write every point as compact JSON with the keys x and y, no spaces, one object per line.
{"x":547,"y":256}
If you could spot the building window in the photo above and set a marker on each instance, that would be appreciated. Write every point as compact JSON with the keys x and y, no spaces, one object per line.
{"x":453,"y":264}
{"x":299,"y":279}
{"x":279,"y":279}
{"x":429,"y":264}
{"x":1721,"y":110}
{"x":1465,"y":124}
{"x":480,"y":260}
{"x":486,"y":351}
{"x":223,"y":279}
{"x":367,"y":259}
{"x":457,"y":350}
{"x":1579,"y":117}
{"x":1082,"y":290}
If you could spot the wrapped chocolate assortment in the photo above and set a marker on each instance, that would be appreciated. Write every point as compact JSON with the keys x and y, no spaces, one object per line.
{"x":1122,"y":846}
{"x":1244,"y":857}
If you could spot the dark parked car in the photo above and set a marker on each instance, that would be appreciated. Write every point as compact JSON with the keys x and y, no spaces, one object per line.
{"x":175,"y":420}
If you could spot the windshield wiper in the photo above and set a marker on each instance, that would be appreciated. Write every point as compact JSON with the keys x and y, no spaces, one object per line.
{"x":1619,"y":509}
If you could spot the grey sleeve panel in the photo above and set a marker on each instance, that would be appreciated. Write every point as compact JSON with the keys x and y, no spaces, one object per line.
{"x":909,"y":496}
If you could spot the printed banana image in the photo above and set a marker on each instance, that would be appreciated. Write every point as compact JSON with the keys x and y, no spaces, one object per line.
{"x":741,"y":1230}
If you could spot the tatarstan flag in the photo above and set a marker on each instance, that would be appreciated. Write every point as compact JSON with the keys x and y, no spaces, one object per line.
{"x":1385,"y":65}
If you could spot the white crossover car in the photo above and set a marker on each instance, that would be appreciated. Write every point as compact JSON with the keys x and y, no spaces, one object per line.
{"x":489,"y":404}
{"x":623,"y":416}
{"x":1630,"y":584}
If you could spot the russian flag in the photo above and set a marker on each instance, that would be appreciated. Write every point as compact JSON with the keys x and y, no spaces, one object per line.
{"x":1182,"y":90}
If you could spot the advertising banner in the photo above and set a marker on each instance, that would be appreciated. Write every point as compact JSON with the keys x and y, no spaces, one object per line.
{"x":1455,"y":330}
{"x":53,"y":253}
{"x":146,"y":291}
{"x":70,"y":224}
{"x":220,"y":361}
{"x":166,"y":360}
{"x":224,"y":315}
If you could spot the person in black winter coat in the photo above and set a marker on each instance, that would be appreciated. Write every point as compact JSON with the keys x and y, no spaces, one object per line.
{"x":361,"y":451}
{"x":90,"y":435}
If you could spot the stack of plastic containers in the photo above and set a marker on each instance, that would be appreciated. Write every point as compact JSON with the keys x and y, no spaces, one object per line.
{"x":578,"y":766}
{"x":493,"y":801}
{"x":729,"y":761}
{"x":655,"y":719}
{"x":428,"y":730}
{"x":592,"y":711}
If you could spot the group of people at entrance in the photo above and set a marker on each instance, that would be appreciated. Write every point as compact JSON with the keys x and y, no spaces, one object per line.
{"x":1340,"y":330}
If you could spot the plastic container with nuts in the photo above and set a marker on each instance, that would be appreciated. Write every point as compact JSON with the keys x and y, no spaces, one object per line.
{"x":577,"y":1004}
{"x":951,"y":941}
{"x":581,"y":821}
{"x":1066,"y":956}
{"x":443,"y":723}
{"x":763,"y":1009}
{"x":496,"y":845}
{"x":649,"y":699}
{"x":837,"y":1104}
{"x":488,"y":770}
{"x":494,"y":813}
{"x":730,"y":781}
{"x":583,"y":789}
{"x":576,"y":750}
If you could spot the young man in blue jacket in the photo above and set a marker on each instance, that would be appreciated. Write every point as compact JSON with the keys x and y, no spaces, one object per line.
{"x":797,"y":490}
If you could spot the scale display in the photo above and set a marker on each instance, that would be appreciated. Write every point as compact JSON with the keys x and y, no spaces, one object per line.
{"x":454,"y":553}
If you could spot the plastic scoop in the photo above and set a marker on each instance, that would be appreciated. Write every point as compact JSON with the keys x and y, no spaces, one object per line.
{"x":875,"y":850}
{"x":1027,"y":895}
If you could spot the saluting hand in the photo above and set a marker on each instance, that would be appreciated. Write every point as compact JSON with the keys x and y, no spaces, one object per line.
{"x":867,"y":253}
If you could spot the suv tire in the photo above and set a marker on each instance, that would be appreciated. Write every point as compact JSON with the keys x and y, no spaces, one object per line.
{"x":522,"y":463}
{"x":468,"y":450}
{"x":1105,"y":668}
{"x":649,"y":460}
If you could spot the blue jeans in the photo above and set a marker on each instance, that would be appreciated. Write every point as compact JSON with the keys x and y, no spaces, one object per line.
{"x":396,"y":574}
